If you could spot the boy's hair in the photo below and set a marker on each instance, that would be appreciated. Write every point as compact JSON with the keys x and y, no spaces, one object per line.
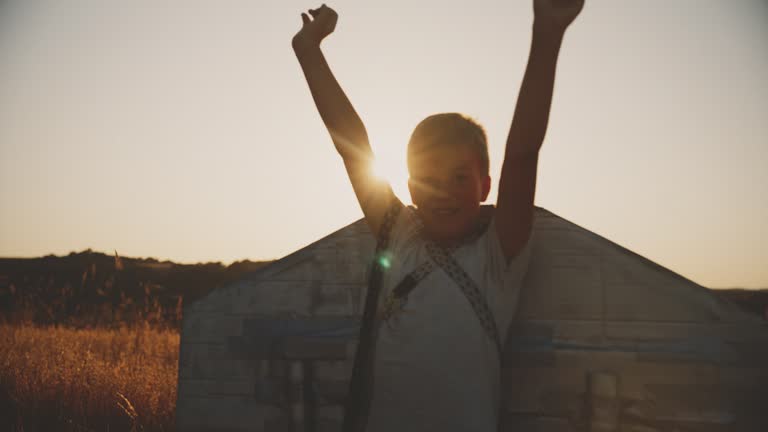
{"x":438,"y":131}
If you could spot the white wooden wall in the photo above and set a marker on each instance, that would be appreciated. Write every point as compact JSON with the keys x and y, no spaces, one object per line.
{"x":605,"y":341}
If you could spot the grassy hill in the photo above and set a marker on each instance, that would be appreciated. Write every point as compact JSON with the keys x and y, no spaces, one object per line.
{"x":95,"y":289}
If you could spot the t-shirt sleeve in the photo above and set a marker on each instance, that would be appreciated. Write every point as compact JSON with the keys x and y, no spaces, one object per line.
{"x":507,"y":271}
{"x":405,"y":231}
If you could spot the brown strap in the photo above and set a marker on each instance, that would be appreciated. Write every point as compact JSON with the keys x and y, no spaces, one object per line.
{"x":358,"y":401}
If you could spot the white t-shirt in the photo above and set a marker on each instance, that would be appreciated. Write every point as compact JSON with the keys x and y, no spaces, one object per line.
{"x":436,"y":368}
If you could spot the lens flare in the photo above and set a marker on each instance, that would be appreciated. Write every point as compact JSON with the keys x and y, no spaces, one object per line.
{"x":380,"y":171}
{"x":384,"y":262}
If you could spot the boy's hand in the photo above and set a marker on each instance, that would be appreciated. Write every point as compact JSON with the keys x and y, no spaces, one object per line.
{"x":339,"y":116}
{"x":315,"y":29}
{"x":555,"y":15}
{"x":517,"y":185}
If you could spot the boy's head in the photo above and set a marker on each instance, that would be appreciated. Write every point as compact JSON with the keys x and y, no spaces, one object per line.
{"x":448,"y":173}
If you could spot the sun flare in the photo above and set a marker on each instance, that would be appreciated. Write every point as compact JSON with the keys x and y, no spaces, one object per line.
{"x":379,"y":171}
{"x":393,"y":171}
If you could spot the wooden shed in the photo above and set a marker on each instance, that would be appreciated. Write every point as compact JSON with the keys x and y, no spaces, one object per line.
{"x":604,"y":340}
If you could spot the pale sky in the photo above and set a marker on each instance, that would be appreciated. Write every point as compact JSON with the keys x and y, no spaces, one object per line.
{"x":184,"y":130}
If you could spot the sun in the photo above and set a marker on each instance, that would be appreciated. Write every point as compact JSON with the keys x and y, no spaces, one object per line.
{"x":381,"y":171}
{"x":392,"y":169}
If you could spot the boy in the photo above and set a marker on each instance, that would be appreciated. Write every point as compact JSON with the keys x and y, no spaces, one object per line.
{"x":453,"y":268}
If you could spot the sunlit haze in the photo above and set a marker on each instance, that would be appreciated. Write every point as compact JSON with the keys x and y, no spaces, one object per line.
{"x":185,"y":130}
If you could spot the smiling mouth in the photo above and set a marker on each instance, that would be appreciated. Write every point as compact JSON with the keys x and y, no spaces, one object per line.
{"x":445,"y":211}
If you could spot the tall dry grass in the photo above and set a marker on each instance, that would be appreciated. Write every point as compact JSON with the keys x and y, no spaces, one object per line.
{"x":54,"y":378}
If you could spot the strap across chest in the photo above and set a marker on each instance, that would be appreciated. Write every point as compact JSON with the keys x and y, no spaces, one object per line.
{"x":361,"y":384}
{"x":442,"y":258}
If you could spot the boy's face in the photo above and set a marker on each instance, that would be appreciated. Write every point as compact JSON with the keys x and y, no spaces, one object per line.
{"x":447,"y":186}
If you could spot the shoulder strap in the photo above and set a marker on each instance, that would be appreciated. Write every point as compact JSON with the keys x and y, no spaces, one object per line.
{"x":361,"y":385}
{"x":445,"y":261}
{"x":358,"y":400}
{"x":443,"y":257}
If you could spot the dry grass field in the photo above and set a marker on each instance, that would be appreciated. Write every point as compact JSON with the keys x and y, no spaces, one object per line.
{"x":63,"y":379}
{"x":118,"y":372}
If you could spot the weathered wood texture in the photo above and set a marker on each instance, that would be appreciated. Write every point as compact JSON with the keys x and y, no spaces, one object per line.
{"x":605,"y":340}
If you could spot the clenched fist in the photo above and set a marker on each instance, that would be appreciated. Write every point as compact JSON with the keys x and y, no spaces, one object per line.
{"x":315,"y":29}
{"x":556,"y":15}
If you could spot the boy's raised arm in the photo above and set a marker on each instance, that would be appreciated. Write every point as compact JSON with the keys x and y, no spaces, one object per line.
{"x":342,"y":121}
{"x":517,"y":185}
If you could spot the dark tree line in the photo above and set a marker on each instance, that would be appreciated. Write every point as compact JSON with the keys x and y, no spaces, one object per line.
{"x":94,"y":289}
